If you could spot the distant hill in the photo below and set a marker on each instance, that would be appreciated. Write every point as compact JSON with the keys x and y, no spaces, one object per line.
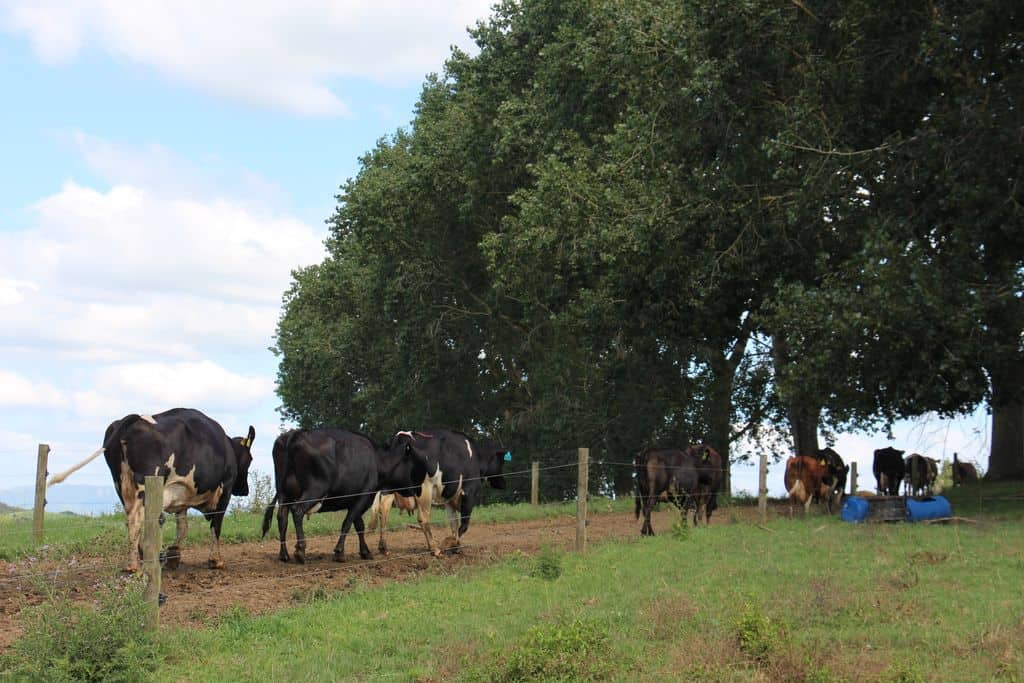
{"x":5,"y":508}
{"x":80,"y":499}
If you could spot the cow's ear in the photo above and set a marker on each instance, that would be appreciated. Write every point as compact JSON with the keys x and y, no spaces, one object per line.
{"x":706,"y":455}
{"x":251,"y":437}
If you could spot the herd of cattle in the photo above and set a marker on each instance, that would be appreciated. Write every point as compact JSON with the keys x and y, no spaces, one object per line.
{"x":314,"y":470}
{"x":324,"y":470}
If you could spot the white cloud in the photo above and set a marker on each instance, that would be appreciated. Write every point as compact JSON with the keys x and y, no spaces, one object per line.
{"x":153,"y":387}
{"x":17,"y":391}
{"x":277,"y":53}
{"x":131,"y":274}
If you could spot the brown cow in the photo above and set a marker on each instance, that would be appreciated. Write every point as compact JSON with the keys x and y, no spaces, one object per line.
{"x":807,"y":477}
{"x":963,"y":472}
{"x":688,"y":479}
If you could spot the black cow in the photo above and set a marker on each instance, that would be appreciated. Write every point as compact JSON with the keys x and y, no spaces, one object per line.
{"x":920,"y":474}
{"x":888,"y":468}
{"x":325,"y":470}
{"x":688,"y":479}
{"x":456,"y":469}
{"x":201,"y":468}
{"x":963,"y":472}
{"x":835,"y":476}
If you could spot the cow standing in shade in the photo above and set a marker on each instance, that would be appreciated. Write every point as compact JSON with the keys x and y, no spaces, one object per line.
{"x":920,"y":474}
{"x":456,"y":470}
{"x":889,"y":470}
{"x":688,"y":479}
{"x":325,"y":470}
{"x":963,"y":472}
{"x":807,"y":479}
{"x":201,"y":468}
{"x":835,"y":477}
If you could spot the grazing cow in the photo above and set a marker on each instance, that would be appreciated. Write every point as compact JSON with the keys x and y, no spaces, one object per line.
{"x":836,"y":475}
{"x":456,"y":469}
{"x":807,"y":479}
{"x":688,"y":479}
{"x":201,"y":468}
{"x":325,"y":470}
{"x":920,"y":474}
{"x":888,"y":468}
{"x":963,"y":472}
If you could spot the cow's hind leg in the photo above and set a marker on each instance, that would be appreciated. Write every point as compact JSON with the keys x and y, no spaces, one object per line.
{"x":423,"y":502}
{"x":647,"y":529}
{"x":282,"y":532}
{"x":382,"y":521}
{"x":181,"y":531}
{"x":300,"y":536}
{"x":216,"y":520}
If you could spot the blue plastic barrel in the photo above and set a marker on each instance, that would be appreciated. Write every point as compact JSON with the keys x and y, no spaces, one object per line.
{"x":855,"y":509}
{"x":934,"y":507}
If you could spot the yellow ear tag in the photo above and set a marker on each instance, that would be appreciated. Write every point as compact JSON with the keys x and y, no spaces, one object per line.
{"x":822,"y":463}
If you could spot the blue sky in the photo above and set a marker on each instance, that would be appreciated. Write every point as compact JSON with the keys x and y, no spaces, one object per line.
{"x":165,"y":168}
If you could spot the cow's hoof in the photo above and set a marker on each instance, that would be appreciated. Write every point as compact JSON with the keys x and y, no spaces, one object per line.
{"x":173,"y":557}
{"x":382,"y":549}
{"x":338,"y":557}
{"x":216,"y":564}
{"x":450,"y":545}
{"x":436,"y":552}
{"x":367,"y":555}
{"x":130,"y":569}
{"x":283,"y":556}
{"x":300,"y":557}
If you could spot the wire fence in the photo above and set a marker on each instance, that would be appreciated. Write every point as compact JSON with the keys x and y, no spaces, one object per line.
{"x":81,"y":548}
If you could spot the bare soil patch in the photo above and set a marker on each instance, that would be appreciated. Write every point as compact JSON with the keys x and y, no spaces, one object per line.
{"x":256,"y":581}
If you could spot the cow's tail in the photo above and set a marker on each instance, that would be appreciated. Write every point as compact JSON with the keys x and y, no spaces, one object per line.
{"x":636,"y":496}
{"x":268,"y":514}
{"x":58,"y":478}
{"x":374,"y":513}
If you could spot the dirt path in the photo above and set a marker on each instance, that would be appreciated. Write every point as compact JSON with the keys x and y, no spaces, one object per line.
{"x":258,"y":582}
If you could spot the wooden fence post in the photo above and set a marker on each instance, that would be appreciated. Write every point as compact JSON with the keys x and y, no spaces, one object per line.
{"x":762,"y":487}
{"x":853,"y":478}
{"x":40,"y":504}
{"x":582,"y":491}
{"x":151,"y":542}
{"x":535,"y":483}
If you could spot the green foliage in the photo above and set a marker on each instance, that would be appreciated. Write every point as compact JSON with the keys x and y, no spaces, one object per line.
{"x":757,"y":633}
{"x":69,"y":641}
{"x":261,"y":493}
{"x":628,"y":224}
{"x":547,"y":565}
{"x":565,"y":651}
{"x":681,"y":530}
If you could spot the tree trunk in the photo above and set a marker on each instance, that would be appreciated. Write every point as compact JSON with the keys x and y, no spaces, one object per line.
{"x":803,"y":414}
{"x":1006,"y":459}
{"x":803,"y":425}
{"x":719,"y":420}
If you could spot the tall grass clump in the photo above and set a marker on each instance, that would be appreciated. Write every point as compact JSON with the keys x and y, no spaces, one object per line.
{"x":104,"y":641}
{"x":565,"y":651}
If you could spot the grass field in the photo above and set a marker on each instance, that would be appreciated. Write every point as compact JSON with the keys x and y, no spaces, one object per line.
{"x":807,"y":599}
{"x":811,"y":599}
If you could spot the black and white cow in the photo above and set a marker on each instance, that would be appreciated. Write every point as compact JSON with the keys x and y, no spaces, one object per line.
{"x":835,"y":476}
{"x":456,"y":469}
{"x":325,"y":470}
{"x":201,"y":468}
{"x":888,"y":468}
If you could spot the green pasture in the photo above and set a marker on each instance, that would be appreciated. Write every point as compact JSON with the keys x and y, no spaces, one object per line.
{"x":807,"y":599}
{"x":803,"y":599}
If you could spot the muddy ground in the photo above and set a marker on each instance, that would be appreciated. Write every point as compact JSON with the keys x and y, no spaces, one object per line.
{"x":255,"y":580}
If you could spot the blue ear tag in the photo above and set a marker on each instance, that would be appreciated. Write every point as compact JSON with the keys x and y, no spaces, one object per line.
{"x":508,"y":456}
